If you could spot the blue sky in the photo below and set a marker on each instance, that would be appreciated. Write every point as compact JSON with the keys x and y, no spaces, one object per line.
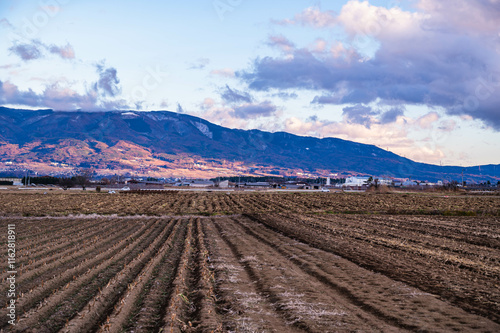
{"x":420,"y":78}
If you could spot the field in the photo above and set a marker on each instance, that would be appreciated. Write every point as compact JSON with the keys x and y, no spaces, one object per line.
{"x":253,"y":262}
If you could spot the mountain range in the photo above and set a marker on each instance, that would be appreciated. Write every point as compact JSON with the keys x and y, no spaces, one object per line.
{"x":163,"y":143}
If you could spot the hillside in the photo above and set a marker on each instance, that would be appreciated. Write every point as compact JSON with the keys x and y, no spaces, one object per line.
{"x":172,"y":144}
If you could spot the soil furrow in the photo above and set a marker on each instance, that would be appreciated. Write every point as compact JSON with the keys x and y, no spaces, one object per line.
{"x":263,"y":289}
{"x":387,"y":299}
{"x":102,"y":305}
{"x":64,"y":306}
{"x":70,"y":280}
{"x":148,"y":312}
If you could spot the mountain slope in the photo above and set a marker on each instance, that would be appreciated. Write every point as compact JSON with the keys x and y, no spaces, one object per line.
{"x":162,"y":141}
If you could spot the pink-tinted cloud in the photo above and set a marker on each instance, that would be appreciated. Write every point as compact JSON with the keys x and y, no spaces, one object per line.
{"x":36,"y":50}
{"x":282,"y":43}
{"x":314,"y":17}
{"x":394,"y":136}
{"x":428,"y":57}
{"x":65,"y":52}
{"x":426,"y":121}
{"x":225,"y":72}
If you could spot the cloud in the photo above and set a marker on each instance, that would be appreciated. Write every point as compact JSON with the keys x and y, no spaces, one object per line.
{"x":392,"y":115}
{"x":225,"y":72}
{"x":37,"y":50}
{"x":447,"y":125}
{"x":10,"y":94}
{"x":234,"y":96}
{"x":6,"y":24}
{"x":359,"y":114}
{"x":282,"y":43}
{"x":224,"y":116}
{"x":394,"y":136}
{"x":207,"y":103}
{"x":428,"y":119}
{"x":285,"y":96}
{"x":65,"y":52}
{"x":326,"y":99}
{"x":200,"y":63}
{"x":108,"y":82}
{"x":314,"y":17}
{"x":57,"y":97}
{"x":26,"y":51}
{"x":164,"y":103}
{"x":452,"y":15}
{"x":179,"y":108}
{"x":443,"y":55}
{"x":252,"y":111}
{"x":60,"y":96}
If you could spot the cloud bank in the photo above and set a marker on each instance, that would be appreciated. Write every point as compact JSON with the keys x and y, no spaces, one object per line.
{"x":446,"y":54}
{"x":60,"y":97}
{"x":37,"y":50}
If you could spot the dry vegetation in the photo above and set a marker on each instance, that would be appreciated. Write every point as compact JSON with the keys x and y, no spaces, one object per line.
{"x":217,"y":262}
{"x":220,"y":203}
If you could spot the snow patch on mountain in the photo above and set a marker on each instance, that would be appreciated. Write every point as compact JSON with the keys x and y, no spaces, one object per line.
{"x":203,"y":129}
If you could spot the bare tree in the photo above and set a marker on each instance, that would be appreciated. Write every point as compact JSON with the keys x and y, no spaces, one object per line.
{"x":66,"y":183}
{"x":83,"y":177}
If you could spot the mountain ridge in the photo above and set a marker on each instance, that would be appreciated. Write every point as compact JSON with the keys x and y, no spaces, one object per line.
{"x":113,"y":140}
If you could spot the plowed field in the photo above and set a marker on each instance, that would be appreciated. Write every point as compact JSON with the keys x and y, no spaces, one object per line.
{"x":258,"y":264}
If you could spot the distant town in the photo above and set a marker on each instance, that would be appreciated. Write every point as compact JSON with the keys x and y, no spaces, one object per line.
{"x":86,"y":180}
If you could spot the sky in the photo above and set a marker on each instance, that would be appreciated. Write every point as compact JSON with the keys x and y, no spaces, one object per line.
{"x":420,"y":78}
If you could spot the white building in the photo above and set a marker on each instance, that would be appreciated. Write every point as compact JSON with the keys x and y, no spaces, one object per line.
{"x":384,"y":181}
{"x":356,"y":181}
{"x":200,"y":183}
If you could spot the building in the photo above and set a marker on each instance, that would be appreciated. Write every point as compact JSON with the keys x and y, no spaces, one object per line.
{"x":224,"y":184}
{"x":11,"y":181}
{"x":258,"y":184}
{"x":144,"y":185}
{"x":199,"y":183}
{"x":356,"y":181}
{"x":385,"y":181}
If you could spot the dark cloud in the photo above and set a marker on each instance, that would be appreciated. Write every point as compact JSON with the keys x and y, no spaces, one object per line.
{"x":10,"y":94}
{"x":391,"y":115}
{"x":235,"y":96}
{"x":37,"y":49}
{"x":252,"y":111}
{"x":359,"y":114}
{"x":65,"y":52}
{"x":26,"y":51}
{"x":433,"y":62}
{"x":108,"y":82}
{"x":302,"y":71}
{"x":179,"y":108}
{"x":312,"y":118}
{"x":326,"y":99}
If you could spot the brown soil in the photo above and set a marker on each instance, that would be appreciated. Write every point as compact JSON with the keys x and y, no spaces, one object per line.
{"x":259,"y":262}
